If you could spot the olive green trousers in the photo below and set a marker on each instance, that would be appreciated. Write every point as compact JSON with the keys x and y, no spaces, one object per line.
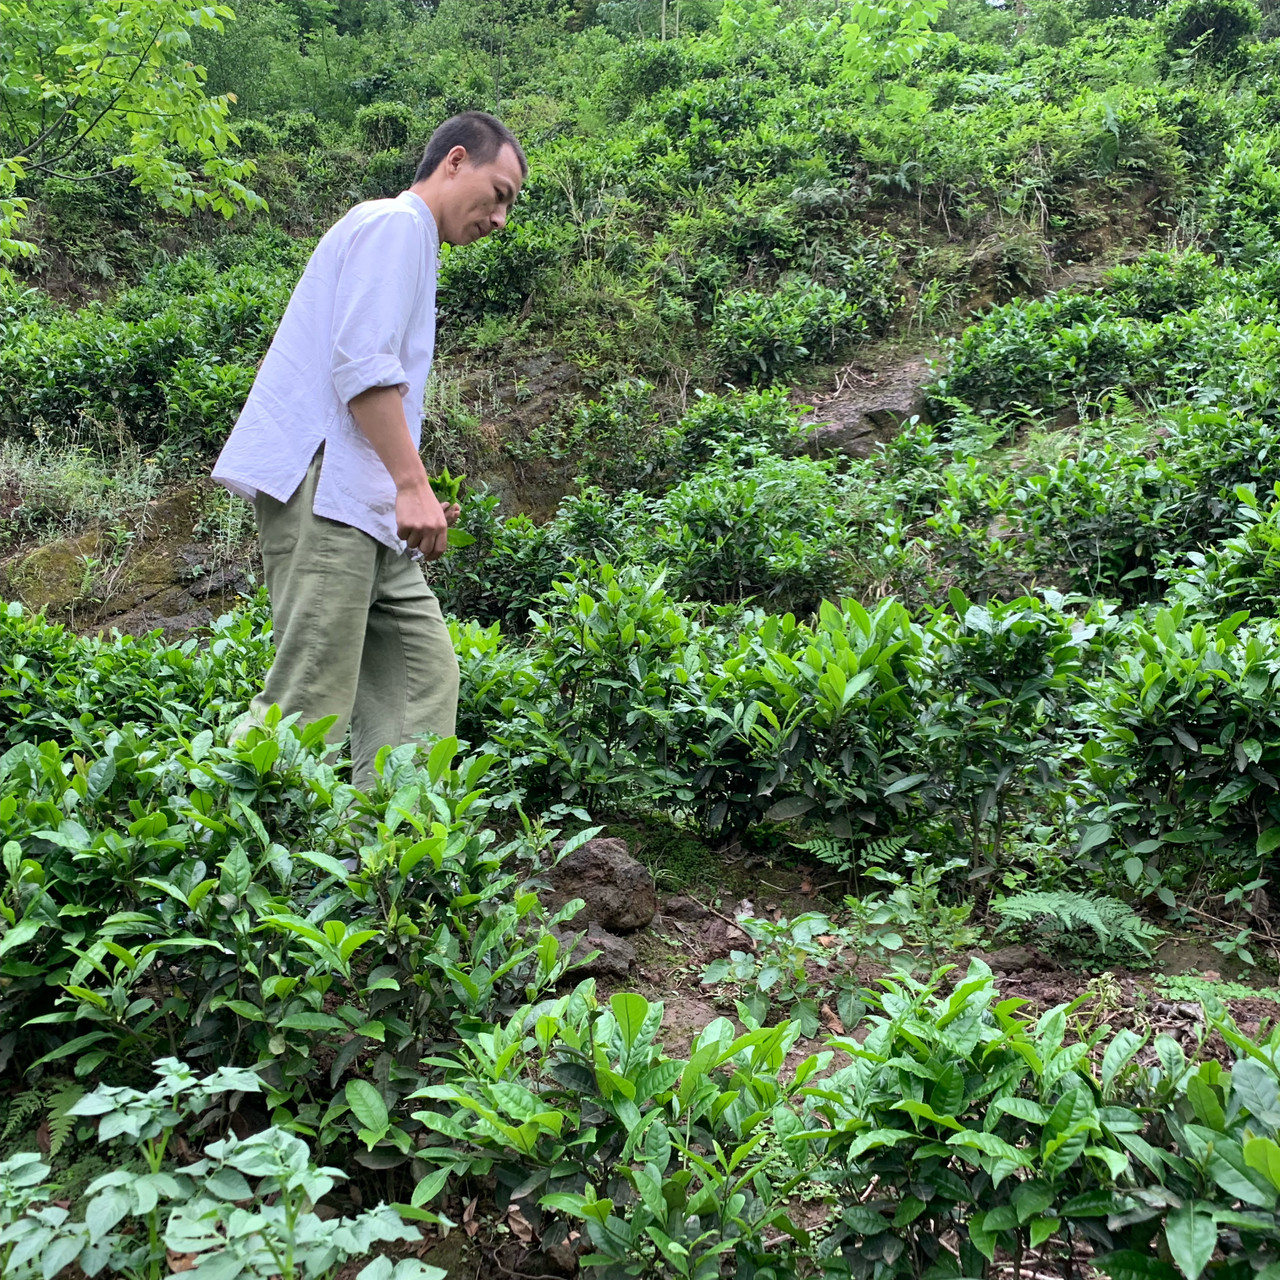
{"x":358,"y":632}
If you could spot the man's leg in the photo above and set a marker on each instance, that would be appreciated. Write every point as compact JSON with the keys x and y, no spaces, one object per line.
{"x":320,"y":576}
{"x":408,"y":670}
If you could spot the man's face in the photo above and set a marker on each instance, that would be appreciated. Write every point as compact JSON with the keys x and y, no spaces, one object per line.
{"x":478,"y":197}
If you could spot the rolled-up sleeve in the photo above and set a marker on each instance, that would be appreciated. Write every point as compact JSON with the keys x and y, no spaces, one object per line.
{"x":373,"y":302}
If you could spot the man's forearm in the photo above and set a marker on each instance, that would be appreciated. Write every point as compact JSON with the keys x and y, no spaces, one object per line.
{"x":379,"y":413}
{"x":420,"y":519}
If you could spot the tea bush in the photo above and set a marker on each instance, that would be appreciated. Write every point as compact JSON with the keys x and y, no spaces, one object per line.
{"x":169,"y":360}
{"x":952,"y":1115}
{"x":766,"y":336}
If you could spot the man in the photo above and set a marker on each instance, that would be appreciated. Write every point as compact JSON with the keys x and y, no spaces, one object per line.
{"x":326,"y":448}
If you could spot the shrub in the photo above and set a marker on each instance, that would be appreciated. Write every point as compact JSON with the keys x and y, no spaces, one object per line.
{"x":299,"y":132}
{"x":1215,"y":30}
{"x":765,"y":336}
{"x":1159,"y":283}
{"x":385,"y":126}
{"x":498,"y":276}
{"x":1243,"y":202}
{"x":386,"y":174}
{"x":731,"y":425}
{"x":774,"y":532}
{"x":199,"y":1209}
{"x":256,"y":137}
{"x":643,"y":69}
{"x":948,"y":1117}
{"x":1242,"y":572}
{"x":204,"y":399}
{"x":253,"y":994}
{"x":173,"y":356}
{"x":1183,"y":753}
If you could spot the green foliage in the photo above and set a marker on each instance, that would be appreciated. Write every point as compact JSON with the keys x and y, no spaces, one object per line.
{"x":661,"y":1158}
{"x":1212,"y":31}
{"x":759,"y":336}
{"x":1189,"y":986}
{"x":385,"y":126}
{"x":779,"y":970}
{"x":239,"y":1229}
{"x":500,"y":275}
{"x":1064,"y":916}
{"x":1183,"y":761}
{"x":173,"y":359}
{"x":226,"y":862}
{"x":1239,"y":573}
{"x":882,"y":40}
{"x":949,"y":1114}
{"x":880,"y":661}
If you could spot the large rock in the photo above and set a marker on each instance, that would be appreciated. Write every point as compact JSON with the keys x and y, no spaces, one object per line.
{"x":867,"y":409}
{"x":617,"y":890}
{"x":1015,"y":959}
{"x":689,"y":910}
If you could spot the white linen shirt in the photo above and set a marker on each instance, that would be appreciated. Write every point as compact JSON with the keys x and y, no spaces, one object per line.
{"x":363,"y":315}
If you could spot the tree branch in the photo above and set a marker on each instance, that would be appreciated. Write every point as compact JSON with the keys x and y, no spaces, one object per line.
{"x":133,"y":75}
{"x":45,"y":133}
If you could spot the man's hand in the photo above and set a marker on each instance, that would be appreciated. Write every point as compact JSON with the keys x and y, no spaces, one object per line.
{"x":422,"y":522}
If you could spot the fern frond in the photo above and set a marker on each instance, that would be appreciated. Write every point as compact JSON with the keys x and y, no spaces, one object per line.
{"x":20,"y":1111}
{"x":58,"y":1117}
{"x":884,"y":850}
{"x":825,"y":849}
{"x":1112,"y":922}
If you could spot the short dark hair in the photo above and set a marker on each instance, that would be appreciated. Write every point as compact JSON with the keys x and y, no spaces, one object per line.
{"x":483,"y":136}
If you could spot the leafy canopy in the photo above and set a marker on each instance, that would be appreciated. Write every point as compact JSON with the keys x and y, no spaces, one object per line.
{"x":106,"y":86}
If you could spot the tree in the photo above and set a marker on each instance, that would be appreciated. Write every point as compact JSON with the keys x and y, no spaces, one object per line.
{"x":1215,"y":32}
{"x":89,"y":87}
{"x":499,"y":39}
{"x":882,"y":38}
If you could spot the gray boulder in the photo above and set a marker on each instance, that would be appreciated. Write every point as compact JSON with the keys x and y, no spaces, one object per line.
{"x":616,"y":956}
{"x":683,"y":908}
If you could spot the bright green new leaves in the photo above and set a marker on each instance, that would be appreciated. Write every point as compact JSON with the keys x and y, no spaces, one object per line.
{"x":110,"y":84}
{"x":243,"y":1230}
{"x":882,"y":39}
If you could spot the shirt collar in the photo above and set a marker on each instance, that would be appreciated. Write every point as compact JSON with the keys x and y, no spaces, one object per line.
{"x":419,"y":206}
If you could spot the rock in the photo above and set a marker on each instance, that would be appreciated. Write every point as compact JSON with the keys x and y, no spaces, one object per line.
{"x":616,"y":956}
{"x":563,"y":1256}
{"x":717,"y":937}
{"x":617,"y":890}
{"x":867,"y":409}
{"x":681,"y":908}
{"x":1012,"y":959}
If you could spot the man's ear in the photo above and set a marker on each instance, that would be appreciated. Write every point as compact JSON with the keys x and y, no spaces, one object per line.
{"x":456,"y":159}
